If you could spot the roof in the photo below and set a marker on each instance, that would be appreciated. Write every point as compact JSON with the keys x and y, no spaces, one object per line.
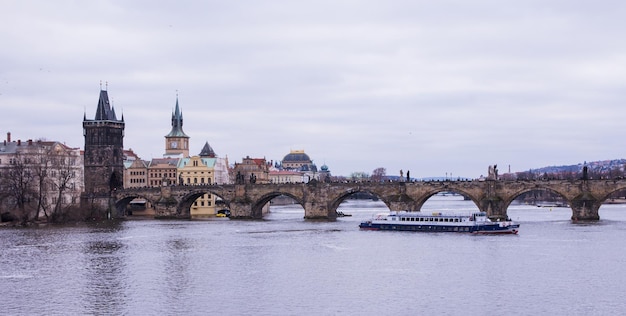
{"x":26,"y":146}
{"x":207,"y":151}
{"x":177,"y":123}
{"x":105,"y":111}
{"x":296,"y":156}
{"x":208,"y":162}
{"x":173,"y":162}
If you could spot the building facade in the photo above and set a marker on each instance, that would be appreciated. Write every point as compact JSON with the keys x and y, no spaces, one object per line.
{"x":252,"y":170}
{"x":39,"y":178}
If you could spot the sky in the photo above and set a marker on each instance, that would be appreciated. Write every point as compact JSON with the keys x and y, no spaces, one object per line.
{"x":439,"y":88}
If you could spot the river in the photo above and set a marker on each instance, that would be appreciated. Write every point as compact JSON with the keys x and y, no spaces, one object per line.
{"x":284,"y":265}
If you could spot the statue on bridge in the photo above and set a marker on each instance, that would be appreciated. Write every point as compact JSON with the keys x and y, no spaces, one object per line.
{"x":492,"y":172}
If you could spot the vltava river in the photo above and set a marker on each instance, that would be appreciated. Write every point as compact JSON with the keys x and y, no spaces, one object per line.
{"x":285,"y":265}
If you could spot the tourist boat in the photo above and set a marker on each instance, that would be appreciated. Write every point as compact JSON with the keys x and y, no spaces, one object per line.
{"x":475,"y":223}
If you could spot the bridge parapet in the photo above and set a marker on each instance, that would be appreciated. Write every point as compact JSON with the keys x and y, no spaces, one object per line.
{"x":321,"y":200}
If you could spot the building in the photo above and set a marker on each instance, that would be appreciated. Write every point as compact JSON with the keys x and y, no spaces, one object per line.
{"x":285,"y":176}
{"x":177,"y":142}
{"x":104,"y":154}
{"x":135,"y":170}
{"x":298,"y":161}
{"x":39,"y":178}
{"x":163,"y":172}
{"x":197,"y":170}
{"x":252,"y":170}
{"x":204,"y":169}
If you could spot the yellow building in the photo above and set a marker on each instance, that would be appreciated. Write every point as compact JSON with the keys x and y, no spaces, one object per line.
{"x":199,"y":171}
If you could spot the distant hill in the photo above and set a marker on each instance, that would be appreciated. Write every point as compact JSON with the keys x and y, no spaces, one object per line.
{"x":595,"y":166}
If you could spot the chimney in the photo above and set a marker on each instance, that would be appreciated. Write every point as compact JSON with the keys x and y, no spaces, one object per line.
{"x":19,"y":142}
{"x":8,"y":137}
{"x":30,"y":142}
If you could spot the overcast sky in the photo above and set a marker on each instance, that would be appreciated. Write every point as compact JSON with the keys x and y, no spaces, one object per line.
{"x":434,"y":87}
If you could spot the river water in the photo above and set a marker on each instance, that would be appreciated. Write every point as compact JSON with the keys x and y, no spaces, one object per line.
{"x":285,"y":265}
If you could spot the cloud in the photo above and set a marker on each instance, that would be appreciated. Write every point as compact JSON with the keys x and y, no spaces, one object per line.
{"x":434,"y":87}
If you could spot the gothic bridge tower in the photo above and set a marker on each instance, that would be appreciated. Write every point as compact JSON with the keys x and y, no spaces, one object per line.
{"x":177,"y":142}
{"x":104,"y":155}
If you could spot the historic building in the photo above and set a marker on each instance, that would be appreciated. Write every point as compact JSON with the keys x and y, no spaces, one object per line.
{"x":285,"y":176}
{"x":299,"y":162}
{"x":104,"y":154}
{"x":204,"y":169}
{"x":162,"y":172}
{"x":135,"y":170}
{"x":296,"y":160}
{"x":252,"y":170}
{"x":177,"y":142}
{"x":39,"y":178}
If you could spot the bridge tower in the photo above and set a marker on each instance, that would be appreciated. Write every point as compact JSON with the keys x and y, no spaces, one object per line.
{"x":104,"y":156}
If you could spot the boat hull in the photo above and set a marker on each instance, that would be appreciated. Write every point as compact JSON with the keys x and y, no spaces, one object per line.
{"x":494,"y":228}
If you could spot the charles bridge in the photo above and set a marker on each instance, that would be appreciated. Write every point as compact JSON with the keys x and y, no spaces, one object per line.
{"x":320,"y":199}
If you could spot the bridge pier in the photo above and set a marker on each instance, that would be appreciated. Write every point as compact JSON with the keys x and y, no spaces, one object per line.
{"x":585,"y":208}
{"x":494,"y":207}
{"x":314,"y":210}
{"x":243,"y":210}
{"x":167,"y":206}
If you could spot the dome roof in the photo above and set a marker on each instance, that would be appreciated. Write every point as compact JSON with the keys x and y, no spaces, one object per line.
{"x":296,"y":156}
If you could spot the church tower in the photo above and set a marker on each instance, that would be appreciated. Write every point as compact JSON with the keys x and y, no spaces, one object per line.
{"x":177,"y":142}
{"x":104,"y":152}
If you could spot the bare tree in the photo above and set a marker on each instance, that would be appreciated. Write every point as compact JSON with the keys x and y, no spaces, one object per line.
{"x":64,"y":174}
{"x":379,"y":174}
{"x":42,"y":184}
{"x":17,"y":180}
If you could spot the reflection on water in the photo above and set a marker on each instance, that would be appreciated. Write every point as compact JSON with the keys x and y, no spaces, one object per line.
{"x":104,"y":276}
{"x":285,"y":265}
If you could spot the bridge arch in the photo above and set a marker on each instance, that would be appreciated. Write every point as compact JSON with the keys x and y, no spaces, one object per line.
{"x":257,"y":206}
{"x":186,"y":201}
{"x":427,"y":194}
{"x":605,"y":196}
{"x":538,"y":187}
{"x":122,"y":201}
{"x":336,"y":201}
{"x":393,"y":194}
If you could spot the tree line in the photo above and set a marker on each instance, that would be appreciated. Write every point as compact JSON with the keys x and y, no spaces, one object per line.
{"x":40,"y":186}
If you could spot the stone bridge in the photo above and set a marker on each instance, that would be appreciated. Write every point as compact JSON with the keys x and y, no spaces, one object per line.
{"x":320,"y":200}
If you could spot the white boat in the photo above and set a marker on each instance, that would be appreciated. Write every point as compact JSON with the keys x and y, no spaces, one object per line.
{"x":475,"y":223}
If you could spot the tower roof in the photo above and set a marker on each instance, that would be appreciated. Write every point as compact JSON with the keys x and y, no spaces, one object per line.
{"x":207,"y":151}
{"x":105,"y":111}
{"x":177,"y":123}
